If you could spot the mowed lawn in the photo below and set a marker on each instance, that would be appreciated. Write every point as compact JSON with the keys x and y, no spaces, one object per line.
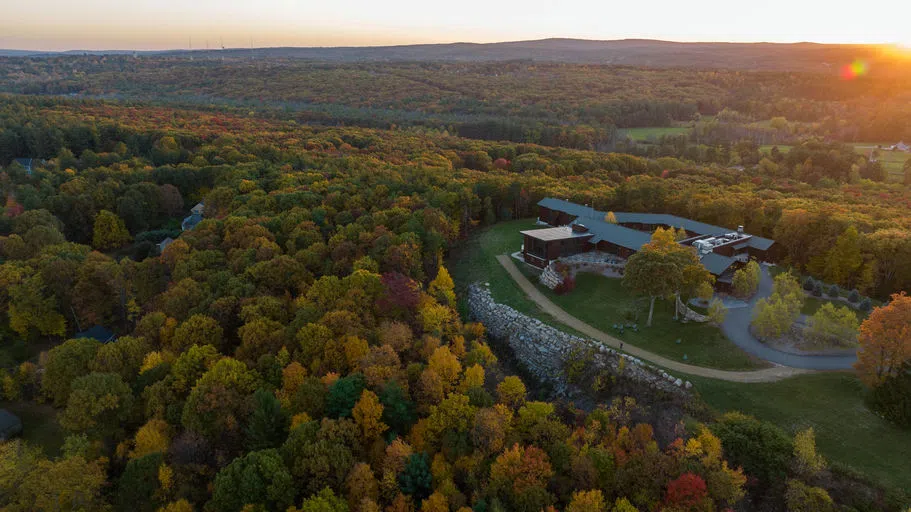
{"x":847,"y":432}
{"x":602,"y":302}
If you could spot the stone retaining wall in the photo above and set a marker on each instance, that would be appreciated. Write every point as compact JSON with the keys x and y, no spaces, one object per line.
{"x":543,"y":350}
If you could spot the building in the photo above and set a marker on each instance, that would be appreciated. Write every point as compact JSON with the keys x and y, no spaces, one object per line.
{"x":901,"y":146}
{"x":578,"y":228}
{"x":162,"y":245}
{"x":10,"y":425}
{"x":27,"y":164}
{"x":99,"y":333}
{"x":195,"y":217}
{"x":199,"y":209}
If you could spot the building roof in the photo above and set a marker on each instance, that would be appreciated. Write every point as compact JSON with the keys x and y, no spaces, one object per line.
{"x":10,"y":424}
{"x":716,"y":263}
{"x":558,"y":233}
{"x":191,"y":221}
{"x":581,"y":211}
{"x":616,"y":234}
{"x":97,"y":332}
{"x":24,"y":162}
{"x":578,"y":210}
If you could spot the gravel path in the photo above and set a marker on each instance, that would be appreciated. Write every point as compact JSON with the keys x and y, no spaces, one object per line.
{"x":773,"y":374}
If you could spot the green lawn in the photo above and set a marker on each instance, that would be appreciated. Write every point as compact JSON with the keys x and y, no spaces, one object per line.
{"x":832,"y":403}
{"x":892,"y":161}
{"x":812,"y":304}
{"x":652,"y":134}
{"x":603,"y":302}
{"x":39,"y":425}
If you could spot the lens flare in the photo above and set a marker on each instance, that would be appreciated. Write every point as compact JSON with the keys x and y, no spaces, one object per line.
{"x":854,"y":70}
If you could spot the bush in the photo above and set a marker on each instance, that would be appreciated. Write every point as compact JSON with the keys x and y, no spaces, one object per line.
{"x":853,"y":297}
{"x":866,"y":305}
{"x":567,"y":285}
{"x":761,"y":448}
{"x":809,"y":284}
{"x":834,"y":291}
{"x":892,"y":399}
{"x":817,"y":290}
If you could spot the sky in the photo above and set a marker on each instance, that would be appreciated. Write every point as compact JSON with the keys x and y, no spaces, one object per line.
{"x":168,"y":24}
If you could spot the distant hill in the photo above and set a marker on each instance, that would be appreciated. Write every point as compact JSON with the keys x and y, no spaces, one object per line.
{"x":633,"y":52}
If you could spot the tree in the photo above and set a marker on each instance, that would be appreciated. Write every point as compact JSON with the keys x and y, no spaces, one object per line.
{"x":806,"y":461}
{"x":153,"y":437}
{"x":746,"y":279}
{"x":30,"y":308}
{"x":587,"y":501}
{"x":268,"y":426}
{"x":687,"y":492}
{"x":139,"y":484}
{"x":892,"y":399}
{"x":219,"y":403}
{"x":344,"y":394}
{"x":885,"y":341}
{"x":511,"y":392}
{"x":774,"y":315}
{"x":662,"y":268}
{"x":196,"y":330}
{"x":325,"y":501}
{"x":520,"y":476}
{"x":844,"y":259}
{"x":442,"y":288}
{"x":257,"y":478}
{"x":834,"y":324}
{"x":610,"y":217}
{"x":66,"y":484}
{"x":717,"y":311}
{"x":762,"y":449}
{"x":416,"y":480}
{"x":110,"y":231}
{"x":800,"y":497}
{"x":98,"y":405}
{"x":65,"y":363}
{"x":367,"y":413}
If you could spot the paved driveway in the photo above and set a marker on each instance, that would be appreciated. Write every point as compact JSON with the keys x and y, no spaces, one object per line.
{"x":736,"y":327}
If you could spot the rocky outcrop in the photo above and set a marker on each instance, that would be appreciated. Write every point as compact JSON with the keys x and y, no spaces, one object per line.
{"x":546,"y":352}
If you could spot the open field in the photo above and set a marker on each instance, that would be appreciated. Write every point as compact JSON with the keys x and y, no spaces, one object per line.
{"x":847,"y":432}
{"x":652,"y":134}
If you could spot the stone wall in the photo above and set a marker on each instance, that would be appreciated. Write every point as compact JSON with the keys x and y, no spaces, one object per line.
{"x":543,"y":350}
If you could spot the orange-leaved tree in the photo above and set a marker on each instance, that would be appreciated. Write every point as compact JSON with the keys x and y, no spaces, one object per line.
{"x":885,"y":341}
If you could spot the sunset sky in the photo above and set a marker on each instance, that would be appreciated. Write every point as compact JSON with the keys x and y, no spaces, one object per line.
{"x":163,"y":24}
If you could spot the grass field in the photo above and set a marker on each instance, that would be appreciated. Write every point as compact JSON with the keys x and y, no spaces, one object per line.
{"x":812,"y":304}
{"x":893,"y":161}
{"x":39,"y":425}
{"x":847,"y":432}
{"x":652,"y":134}
{"x":602,"y":302}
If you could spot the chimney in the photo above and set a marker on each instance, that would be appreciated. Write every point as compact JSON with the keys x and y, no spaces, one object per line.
{"x":740,"y":229}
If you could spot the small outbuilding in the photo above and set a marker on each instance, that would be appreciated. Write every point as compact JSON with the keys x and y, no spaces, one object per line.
{"x":97,"y":332}
{"x":10,"y":425}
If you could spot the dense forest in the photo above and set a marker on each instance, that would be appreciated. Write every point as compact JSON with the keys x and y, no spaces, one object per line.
{"x":570,"y":105}
{"x":301,"y":346}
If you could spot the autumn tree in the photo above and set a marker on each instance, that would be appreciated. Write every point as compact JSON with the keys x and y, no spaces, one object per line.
{"x":219,"y":403}
{"x":367,"y":413}
{"x":511,"y":392}
{"x":662,"y":268}
{"x":31,"y":310}
{"x":110,"y":231}
{"x":442,"y":288}
{"x":65,"y":363}
{"x":844,"y":259}
{"x":257,"y":478}
{"x":98,"y":405}
{"x":520,"y":475}
{"x":885,"y":341}
{"x":746,"y":279}
{"x":774,"y":315}
{"x":834,"y":324}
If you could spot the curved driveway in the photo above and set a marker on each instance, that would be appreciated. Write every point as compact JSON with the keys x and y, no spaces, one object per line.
{"x":766,"y":375}
{"x":736,"y":327}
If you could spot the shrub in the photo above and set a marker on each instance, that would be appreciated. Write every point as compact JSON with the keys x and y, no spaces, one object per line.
{"x":853,"y":297}
{"x":809,"y":284}
{"x":866,"y":304}
{"x":567,"y":285}
{"x":817,"y":290}
{"x":892,"y":399}
{"x":761,"y":448}
{"x":834,"y":291}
